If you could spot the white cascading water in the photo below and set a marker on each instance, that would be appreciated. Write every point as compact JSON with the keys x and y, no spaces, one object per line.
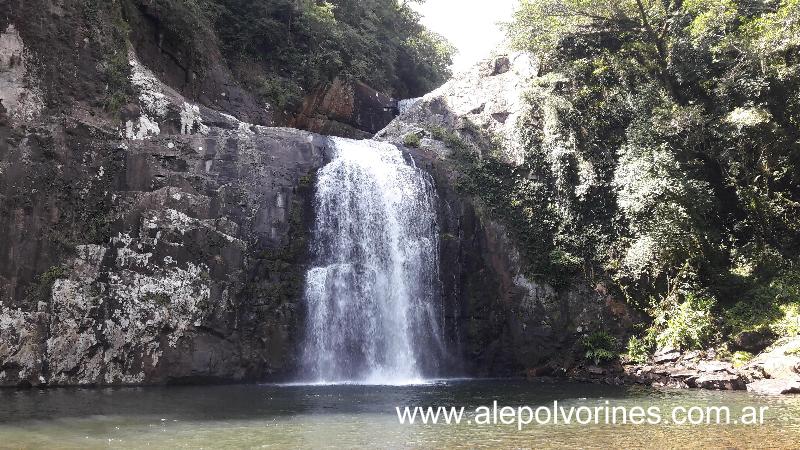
{"x":372,"y":291}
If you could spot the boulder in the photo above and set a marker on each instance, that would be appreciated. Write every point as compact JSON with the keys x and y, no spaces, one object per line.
{"x":720,"y":381}
{"x":781,"y":361}
{"x":692,"y":355}
{"x":345,"y":109}
{"x":715,"y":366}
{"x":682,"y":372}
{"x":666,"y":356}
{"x":482,"y":105}
{"x":753,"y":341}
{"x":774,"y":387}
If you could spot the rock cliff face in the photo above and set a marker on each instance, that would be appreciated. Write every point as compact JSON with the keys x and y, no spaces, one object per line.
{"x":166,"y":242}
{"x":199,"y":73}
{"x":351,"y":110}
{"x":498,"y":322}
{"x":489,"y":98}
{"x":504,"y":322}
{"x":198,"y":279}
{"x":168,"y":247}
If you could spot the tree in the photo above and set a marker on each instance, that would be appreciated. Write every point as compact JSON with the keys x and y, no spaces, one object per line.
{"x":692,"y":109}
{"x":641,"y":25}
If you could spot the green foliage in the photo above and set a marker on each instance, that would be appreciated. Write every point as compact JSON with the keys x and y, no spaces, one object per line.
{"x":789,"y":323}
{"x":768,"y":297}
{"x":411,"y":140}
{"x":683,"y":321}
{"x":424,"y":63}
{"x":283,"y":93}
{"x":740,"y":359}
{"x":685,"y":325}
{"x":158,"y":298}
{"x":282,"y":49}
{"x":638,"y":350}
{"x":601,"y":347}
{"x":687,"y":115}
{"x":41,"y":290}
{"x":450,"y":138}
{"x":296,"y":45}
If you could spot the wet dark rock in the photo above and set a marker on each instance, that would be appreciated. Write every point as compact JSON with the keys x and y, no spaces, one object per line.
{"x":162,"y":244}
{"x":186,"y":265}
{"x":595,"y":370}
{"x":542,"y":371}
{"x":502,"y":64}
{"x":754,"y":341}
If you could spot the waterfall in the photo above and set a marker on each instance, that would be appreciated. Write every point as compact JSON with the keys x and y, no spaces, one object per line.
{"x":372,"y":292}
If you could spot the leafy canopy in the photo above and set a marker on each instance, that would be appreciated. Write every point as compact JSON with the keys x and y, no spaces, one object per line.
{"x":683,"y":120}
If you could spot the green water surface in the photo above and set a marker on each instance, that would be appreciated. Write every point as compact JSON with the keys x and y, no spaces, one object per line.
{"x":272,"y":416}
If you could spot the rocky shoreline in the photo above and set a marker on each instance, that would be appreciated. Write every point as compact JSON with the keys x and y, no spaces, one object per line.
{"x":776,"y":371}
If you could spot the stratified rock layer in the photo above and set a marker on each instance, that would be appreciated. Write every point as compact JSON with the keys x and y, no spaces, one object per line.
{"x":167,"y":248}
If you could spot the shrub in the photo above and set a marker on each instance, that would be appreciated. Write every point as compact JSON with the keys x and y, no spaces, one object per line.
{"x":688,"y":325}
{"x":638,"y":350}
{"x":42,"y":288}
{"x":601,"y":347}
{"x":789,"y":324}
{"x":281,"y":93}
{"x":740,"y":359}
{"x":411,"y":140}
{"x":450,"y":138}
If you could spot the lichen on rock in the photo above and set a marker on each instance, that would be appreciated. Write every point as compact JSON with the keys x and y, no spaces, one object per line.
{"x":19,"y":92}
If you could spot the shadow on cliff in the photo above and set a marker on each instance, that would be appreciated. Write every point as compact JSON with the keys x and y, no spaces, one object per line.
{"x":498,"y":321}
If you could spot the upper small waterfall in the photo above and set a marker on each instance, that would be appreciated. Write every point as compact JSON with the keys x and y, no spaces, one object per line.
{"x":372,"y":292}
